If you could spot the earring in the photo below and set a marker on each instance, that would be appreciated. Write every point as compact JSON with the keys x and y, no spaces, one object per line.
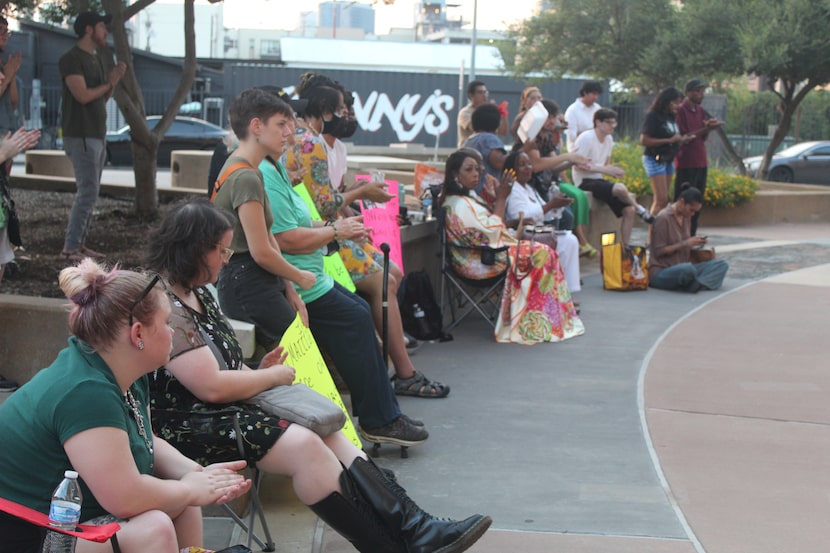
{"x":140,"y":345}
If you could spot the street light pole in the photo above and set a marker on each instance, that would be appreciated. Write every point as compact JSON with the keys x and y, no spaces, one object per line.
{"x":474,"y":40}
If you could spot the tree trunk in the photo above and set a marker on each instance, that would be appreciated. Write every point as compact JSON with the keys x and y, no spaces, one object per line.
{"x":789,"y":104}
{"x":130,"y":99}
{"x":145,"y":171}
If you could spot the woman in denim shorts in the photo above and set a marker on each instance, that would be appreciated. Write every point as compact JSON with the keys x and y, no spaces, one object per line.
{"x":661,"y":137}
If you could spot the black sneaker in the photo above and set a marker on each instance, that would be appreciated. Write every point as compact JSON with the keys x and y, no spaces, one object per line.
{"x":7,"y":385}
{"x":645,"y":215}
{"x":399,"y":432}
{"x":410,"y":420}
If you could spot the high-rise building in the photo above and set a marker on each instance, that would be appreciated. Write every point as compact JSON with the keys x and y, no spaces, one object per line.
{"x":346,"y":15}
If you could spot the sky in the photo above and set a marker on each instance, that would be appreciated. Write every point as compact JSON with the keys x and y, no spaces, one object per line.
{"x":284,"y":14}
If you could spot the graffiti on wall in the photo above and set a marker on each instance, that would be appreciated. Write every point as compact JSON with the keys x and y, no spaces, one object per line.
{"x":408,"y":117}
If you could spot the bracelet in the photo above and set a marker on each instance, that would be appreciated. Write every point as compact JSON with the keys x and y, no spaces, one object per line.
{"x":334,"y":228}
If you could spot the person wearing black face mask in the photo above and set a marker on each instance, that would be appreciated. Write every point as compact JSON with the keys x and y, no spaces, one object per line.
{"x":318,"y":150}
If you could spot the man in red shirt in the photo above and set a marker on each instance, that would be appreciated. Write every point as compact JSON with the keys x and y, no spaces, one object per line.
{"x":691,"y":162}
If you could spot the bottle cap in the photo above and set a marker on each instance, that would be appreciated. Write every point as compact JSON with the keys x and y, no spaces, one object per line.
{"x":70,"y":474}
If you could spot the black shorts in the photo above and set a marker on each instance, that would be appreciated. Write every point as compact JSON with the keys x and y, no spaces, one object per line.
{"x":603,"y":191}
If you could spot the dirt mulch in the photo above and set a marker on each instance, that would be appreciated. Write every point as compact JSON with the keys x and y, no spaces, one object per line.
{"x":115,"y":230}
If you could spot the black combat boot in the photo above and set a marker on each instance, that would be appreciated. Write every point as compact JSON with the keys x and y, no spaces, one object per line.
{"x":351,"y":516}
{"x":420,"y":531}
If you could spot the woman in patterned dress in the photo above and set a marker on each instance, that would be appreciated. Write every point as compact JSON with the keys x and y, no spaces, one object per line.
{"x":536,"y":303}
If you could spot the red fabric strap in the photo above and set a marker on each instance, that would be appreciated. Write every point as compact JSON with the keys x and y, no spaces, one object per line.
{"x":98,"y":534}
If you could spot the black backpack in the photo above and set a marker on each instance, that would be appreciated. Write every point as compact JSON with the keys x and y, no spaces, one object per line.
{"x":420,"y":313}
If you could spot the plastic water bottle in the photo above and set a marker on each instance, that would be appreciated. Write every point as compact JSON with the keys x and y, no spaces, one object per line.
{"x":64,"y":513}
{"x":426,"y":204}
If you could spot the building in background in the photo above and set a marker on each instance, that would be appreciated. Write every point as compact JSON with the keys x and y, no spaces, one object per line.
{"x":336,"y":18}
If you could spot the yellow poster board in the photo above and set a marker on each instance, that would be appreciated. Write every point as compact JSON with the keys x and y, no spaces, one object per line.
{"x":332,"y":264}
{"x":311,"y":370}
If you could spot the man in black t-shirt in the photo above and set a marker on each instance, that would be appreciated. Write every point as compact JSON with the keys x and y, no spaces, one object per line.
{"x":84,"y":94}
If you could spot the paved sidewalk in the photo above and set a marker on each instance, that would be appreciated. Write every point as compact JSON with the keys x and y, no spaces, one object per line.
{"x":677,"y":424}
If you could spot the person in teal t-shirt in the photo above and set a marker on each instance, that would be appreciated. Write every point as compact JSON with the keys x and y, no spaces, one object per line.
{"x":340,"y":320}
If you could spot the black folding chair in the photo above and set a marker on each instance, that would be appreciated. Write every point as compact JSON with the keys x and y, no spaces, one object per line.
{"x":463,"y":295}
{"x":199,"y":421}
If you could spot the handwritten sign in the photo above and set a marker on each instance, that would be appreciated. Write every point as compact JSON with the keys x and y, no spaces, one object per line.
{"x":311,"y":370}
{"x":381,"y":220}
{"x":332,"y":264}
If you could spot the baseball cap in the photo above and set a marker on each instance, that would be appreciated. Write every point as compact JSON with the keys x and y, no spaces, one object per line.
{"x":694,"y":84}
{"x":86,"y":19}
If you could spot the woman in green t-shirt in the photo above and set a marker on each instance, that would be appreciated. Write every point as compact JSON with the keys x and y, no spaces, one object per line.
{"x":88,"y":412}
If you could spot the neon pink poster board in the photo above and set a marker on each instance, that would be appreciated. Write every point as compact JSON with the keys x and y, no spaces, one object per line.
{"x":381,"y":220}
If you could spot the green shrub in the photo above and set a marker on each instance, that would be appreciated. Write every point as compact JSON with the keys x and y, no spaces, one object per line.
{"x":723,"y":188}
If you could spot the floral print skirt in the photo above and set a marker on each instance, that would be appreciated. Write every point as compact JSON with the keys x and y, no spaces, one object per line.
{"x":536,"y":304}
{"x":208,"y":434}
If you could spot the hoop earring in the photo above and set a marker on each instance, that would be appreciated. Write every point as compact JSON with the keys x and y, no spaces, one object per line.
{"x":140,"y":345}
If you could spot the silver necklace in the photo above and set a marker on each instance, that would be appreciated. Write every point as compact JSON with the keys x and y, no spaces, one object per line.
{"x":139,"y":419}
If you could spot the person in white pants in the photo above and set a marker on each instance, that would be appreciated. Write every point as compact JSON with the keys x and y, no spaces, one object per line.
{"x":526,"y":205}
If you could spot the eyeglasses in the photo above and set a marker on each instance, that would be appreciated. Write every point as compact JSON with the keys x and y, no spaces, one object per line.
{"x":613,"y":124}
{"x":143,"y":295}
{"x":226,"y":253}
{"x":485,"y":92}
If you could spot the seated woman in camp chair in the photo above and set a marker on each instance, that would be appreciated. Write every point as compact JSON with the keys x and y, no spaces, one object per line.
{"x":536,"y":303}
{"x":88,"y":412}
{"x":330,"y":475}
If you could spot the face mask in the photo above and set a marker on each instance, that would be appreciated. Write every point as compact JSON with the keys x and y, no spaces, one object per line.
{"x":333,"y":125}
{"x":348,"y":128}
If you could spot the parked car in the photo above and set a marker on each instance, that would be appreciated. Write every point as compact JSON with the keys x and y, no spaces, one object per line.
{"x":186,"y":133}
{"x":805,"y":162}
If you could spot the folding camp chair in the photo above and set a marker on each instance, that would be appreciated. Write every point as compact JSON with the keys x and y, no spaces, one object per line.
{"x":463,"y":294}
{"x":98,"y":534}
{"x":199,"y":421}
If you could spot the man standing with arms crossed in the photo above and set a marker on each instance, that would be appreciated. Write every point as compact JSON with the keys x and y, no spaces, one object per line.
{"x":691,"y":163}
{"x":84,"y":95}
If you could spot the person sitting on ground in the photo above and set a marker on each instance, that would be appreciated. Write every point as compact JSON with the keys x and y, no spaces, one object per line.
{"x":597,"y":145}
{"x":548,"y":164}
{"x":330,"y":475}
{"x":529,"y":97}
{"x":669,"y":266}
{"x":250,"y":288}
{"x":89,"y":412}
{"x":525,"y":204}
{"x":486,"y":119}
{"x":536,"y":303}
{"x":324,"y":113}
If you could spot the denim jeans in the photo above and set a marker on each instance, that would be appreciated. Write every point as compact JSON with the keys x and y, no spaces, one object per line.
{"x":340,"y":321}
{"x":88,"y":156}
{"x":690,"y":276}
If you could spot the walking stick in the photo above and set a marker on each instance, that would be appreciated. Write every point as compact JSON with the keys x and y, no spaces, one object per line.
{"x":384,"y":247}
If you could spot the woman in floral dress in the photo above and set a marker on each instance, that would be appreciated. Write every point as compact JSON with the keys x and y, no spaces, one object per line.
{"x":536,"y":304}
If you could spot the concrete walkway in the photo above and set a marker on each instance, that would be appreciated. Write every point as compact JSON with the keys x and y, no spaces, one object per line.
{"x":677,"y":424}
